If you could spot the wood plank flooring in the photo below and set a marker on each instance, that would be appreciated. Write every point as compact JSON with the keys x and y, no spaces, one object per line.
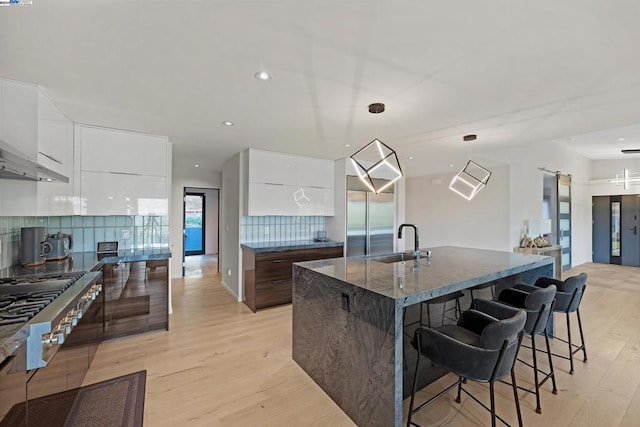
{"x":221,"y":365}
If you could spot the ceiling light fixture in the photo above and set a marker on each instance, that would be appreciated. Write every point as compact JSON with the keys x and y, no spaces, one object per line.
{"x":347,"y":145}
{"x":620,"y":139}
{"x":626,"y":178}
{"x":472,"y":178}
{"x":410,"y":157}
{"x":227,"y":123}
{"x":263,"y":75}
{"x":377,"y":157}
{"x":631,"y":151}
{"x":197,"y":166}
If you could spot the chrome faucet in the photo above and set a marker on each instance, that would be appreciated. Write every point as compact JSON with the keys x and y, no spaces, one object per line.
{"x":416,"y":239}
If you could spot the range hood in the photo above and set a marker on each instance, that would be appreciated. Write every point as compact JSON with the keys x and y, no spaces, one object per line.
{"x":15,"y":165}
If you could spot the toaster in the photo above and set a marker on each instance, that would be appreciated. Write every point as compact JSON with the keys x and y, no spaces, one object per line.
{"x":60,"y":246}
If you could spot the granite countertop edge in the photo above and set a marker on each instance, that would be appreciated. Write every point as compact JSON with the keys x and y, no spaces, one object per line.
{"x":258,"y":247}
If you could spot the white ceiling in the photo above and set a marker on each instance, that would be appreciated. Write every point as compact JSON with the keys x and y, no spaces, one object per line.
{"x":511,"y":71}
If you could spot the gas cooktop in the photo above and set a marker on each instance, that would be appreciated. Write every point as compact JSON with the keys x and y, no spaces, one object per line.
{"x":22,"y":298}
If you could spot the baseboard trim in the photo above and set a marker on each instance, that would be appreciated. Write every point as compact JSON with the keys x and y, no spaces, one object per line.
{"x":230,"y":291}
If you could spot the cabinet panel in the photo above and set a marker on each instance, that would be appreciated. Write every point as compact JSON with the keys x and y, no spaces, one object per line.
{"x":270,"y":199}
{"x":272,"y":293}
{"x":53,"y":146}
{"x":318,"y":202}
{"x":13,"y":384}
{"x":19,"y":115}
{"x":273,"y":168}
{"x":315,"y":172}
{"x":121,"y":194}
{"x":110,"y":150}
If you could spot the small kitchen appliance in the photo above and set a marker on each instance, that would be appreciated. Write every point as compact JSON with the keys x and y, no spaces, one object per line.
{"x":33,"y":245}
{"x":60,"y":245}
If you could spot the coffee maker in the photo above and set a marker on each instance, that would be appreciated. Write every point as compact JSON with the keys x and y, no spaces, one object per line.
{"x":33,"y":246}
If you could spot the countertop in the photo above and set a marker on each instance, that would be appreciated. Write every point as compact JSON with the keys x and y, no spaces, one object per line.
{"x":289,"y":245}
{"x":12,"y":336}
{"x":87,"y":261}
{"x":448,"y":269}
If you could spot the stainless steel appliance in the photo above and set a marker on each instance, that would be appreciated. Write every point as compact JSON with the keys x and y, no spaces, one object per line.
{"x":49,"y":306}
{"x":15,"y":165}
{"x":61,"y":245}
{"x":33,"y":245}
{"x":370,"y":219}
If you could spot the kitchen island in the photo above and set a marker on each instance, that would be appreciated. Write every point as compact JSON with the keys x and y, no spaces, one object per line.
{"x":348,"y":318}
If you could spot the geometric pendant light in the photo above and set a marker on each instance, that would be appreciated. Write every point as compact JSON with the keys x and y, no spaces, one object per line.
{"x":377,"y":159}
{"x":470,"y":180}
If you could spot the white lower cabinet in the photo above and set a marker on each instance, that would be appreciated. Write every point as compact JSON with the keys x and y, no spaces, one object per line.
{"x":105,"y":193}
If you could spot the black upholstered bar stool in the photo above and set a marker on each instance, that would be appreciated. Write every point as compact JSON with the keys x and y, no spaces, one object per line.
{"x":568,"y":298}
{"x":479,"y":347}
{"x":444,"y":299}
{"x":538,"y":303}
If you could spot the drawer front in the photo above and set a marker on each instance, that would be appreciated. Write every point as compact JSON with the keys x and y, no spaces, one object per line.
{"x":273,"y":293}
{"x":276,"y":265}
{"x":323,"y":253}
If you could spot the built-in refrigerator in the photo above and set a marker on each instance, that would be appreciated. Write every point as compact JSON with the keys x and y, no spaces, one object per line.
{"x":370,"y":219}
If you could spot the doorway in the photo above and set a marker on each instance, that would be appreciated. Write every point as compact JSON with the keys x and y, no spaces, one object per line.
{"x":200,"y":231}
{"x":616,"y":232}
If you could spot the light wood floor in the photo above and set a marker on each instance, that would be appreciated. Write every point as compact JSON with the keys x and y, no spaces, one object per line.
{"x":221,"y":365}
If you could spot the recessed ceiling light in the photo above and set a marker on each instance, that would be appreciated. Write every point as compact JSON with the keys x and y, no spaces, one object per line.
{"x":347,"y":145}
{"x":450,"y":166}
{"x":410,"y":157}
{"x":262,"y":75}
{"x":227,"y":123}
{"x":197,"y":166}
{"x":620,"y":139}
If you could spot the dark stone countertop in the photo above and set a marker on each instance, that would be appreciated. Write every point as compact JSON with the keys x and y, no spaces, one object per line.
{"x":449,"y":269}
{"x":12,"y":336}
{"x":289,"y":245}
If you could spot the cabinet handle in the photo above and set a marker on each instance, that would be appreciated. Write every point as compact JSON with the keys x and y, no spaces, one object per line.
{"x":280,"y":260}
{"x":276,"y":282}
{"x":272,"y":183}
{"x":126,"y":173}
{"x":314,"y":186}
{"x":50,"y":157}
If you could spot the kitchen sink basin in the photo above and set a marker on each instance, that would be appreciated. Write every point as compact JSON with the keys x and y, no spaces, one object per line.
{"x":393,"y":258}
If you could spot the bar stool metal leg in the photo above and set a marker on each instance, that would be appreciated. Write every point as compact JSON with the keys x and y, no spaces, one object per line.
{"x":584,"y":347}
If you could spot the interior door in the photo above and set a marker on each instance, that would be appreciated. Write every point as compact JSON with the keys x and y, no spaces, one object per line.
{"x":601,"y":226}
{"x":194,"y":215}
{"x":564,"y":219}
{"x":629,"y":231}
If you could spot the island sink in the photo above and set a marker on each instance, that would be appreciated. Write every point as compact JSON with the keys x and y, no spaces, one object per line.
{"x":392,"y":258}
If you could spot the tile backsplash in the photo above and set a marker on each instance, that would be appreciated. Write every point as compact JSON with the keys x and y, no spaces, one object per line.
{"x":129,"y":231}
{"x":256,"y":229}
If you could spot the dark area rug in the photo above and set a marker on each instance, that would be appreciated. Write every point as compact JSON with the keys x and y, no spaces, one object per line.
{"x":115,"y":402}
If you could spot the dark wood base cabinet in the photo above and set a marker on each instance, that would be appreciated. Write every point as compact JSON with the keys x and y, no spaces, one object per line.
{"x":13,"y":384}
{"x":267,"y":275}
{"x":136,"y":297}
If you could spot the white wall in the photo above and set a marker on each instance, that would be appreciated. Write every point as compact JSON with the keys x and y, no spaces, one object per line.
{"x":519,"y":198}
{"x":181,"y":178}
{"x":445,"y":218}
{"x":231,"y":204}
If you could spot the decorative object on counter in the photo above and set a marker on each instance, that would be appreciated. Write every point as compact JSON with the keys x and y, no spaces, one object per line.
{"x":60,"y":246}
{"x":33,"y":246}
{"x":115,"y":402}
{"x":470,"y":180}
{"x":381,"y":158}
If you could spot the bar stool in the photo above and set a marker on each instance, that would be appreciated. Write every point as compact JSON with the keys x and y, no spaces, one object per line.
{"x":568,"y":298}
{"x":479,"y":347}
{"x":538,"y":303}
{"x":444,"y":299}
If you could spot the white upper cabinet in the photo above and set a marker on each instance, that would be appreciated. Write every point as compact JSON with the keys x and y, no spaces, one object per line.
{"x":121,"y":172}
{"x":284,"y":184}
{"x":272,"y":168}
{"x":317,"y":173}
{"x":19,"y":116}
{"x":116,"y":151}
